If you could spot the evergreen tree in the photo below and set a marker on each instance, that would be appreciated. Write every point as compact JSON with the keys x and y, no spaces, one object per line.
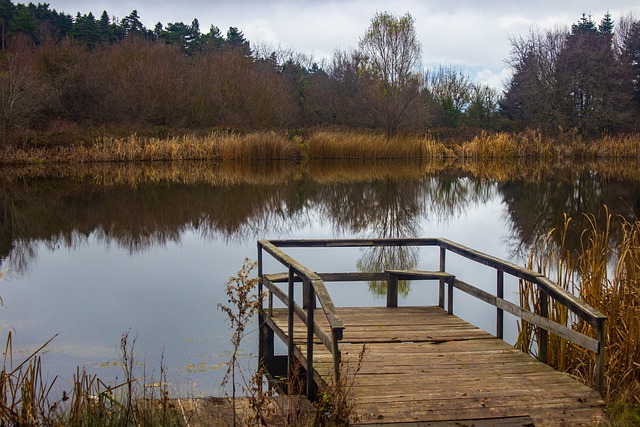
{"x":194,"y":39}
{"x":590,"y":79}
{"x":22,"y":21}
{"x":107,"y":28}
{"x":631,"y":56}
{"x":158,"y":30}
{"x":87,"y":30}
{"x":235,"y":39}
{"x":606,"y":25}
{"x":213,"y":39}
{"x":60,"y":22}
{"x":131,"y":24}
{"x":6,"y":11}
{"x":188,"y":37}
{"x":573,"y":81}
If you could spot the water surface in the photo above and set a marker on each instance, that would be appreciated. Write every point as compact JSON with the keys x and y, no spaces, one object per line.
{"x":95,"y":252}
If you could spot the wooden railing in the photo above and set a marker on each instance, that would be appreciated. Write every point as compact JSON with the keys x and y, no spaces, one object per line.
{"x":313,"y":287}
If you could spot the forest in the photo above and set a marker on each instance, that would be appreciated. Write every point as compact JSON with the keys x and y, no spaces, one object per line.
{"x":61,"y":75}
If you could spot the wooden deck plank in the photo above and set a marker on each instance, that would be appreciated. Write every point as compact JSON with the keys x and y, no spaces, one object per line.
{"x":425,"y":367}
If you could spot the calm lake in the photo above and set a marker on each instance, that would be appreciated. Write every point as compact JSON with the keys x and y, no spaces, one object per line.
{"x":92,"y":252}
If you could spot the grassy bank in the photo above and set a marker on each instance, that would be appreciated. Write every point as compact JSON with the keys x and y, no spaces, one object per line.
{"x":323,"y":144}
{"x":605,"y":273}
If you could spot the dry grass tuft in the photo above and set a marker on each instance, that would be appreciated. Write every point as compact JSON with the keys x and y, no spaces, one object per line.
{"x":26,"y":399}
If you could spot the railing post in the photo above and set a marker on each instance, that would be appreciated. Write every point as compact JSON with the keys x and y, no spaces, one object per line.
{"x":543,"y":335}
{"x":265,"y":345}
{"x":450,"y":295}
{"x":311,"y":296}
{"x":337,"y":357}
{"x":500,"y":312}
{"x":290,"y":342}
{"x":443,"y":253}
{"x":260,"y":272}
{"x":392,"y":290}
{"x":305,"y":294}
{"x":600,"y":360}
{"x":263,"y":339}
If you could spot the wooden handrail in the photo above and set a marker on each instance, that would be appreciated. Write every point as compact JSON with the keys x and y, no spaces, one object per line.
{"x":548,"y":288}
{"x":582,"y":309}
{"x":315,"y":289}
{"x":321,"y":291}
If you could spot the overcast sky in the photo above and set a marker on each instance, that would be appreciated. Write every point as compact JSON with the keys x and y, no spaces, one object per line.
{"x":470,"y":34}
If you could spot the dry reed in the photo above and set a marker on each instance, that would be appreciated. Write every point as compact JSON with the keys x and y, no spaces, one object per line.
{"x":606,"y":275}
{"x":352,"y":145}
{"x":216,"y":146}
{"x":325,"y":144}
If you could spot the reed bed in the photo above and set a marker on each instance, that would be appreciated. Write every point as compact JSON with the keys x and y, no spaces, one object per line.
{"x":606,"y":275}
{"x":215,"y":146}
{"x":488,"y":146}
{"x":352,"y":145}
{"x":324,"y":144}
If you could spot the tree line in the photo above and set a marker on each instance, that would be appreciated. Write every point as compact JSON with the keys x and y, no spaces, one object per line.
{"x":585,"y":79}
{"x":60,"y":72}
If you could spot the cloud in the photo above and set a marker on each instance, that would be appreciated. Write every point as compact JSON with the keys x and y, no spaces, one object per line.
{"x":260,"y":29}
{"x":493,"y":78}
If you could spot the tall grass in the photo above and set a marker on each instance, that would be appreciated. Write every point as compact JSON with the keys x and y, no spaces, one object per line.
{"x":325,"y":144}
{"x":352,"y":145}
{"x":605,"y":274}
{"x":26,"y":399}
{"x":215,"y":146}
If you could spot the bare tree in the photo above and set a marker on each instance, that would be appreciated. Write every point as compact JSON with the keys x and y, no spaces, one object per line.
{"x":22,"y":95}
{"x":451,"y":90}
{"x":483,"y":106}
{"x":392,"y":55}
{"x":531,"y":97}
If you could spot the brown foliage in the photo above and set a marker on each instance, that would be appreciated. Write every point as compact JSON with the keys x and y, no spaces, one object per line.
{"x":22,"y":95}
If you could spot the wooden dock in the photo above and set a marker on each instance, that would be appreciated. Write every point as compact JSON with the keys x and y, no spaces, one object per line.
{"x":423,"y":365}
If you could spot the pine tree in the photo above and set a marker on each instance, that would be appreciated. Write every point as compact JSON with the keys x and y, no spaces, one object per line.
{"x":631,"y":55}
{"x":6,"y":11}
{"x":22,"y":21}
{"x":107,"y":28}
{"x":236,"y":40}
{"x":132,"y":24}
{"x":86,"y":30}
{"x":213,"y":39}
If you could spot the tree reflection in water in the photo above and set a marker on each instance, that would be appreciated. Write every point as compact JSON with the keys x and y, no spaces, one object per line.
{"x":138,"y":206}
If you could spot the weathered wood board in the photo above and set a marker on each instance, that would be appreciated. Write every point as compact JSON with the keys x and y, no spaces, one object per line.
{"x":424,"y":367}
